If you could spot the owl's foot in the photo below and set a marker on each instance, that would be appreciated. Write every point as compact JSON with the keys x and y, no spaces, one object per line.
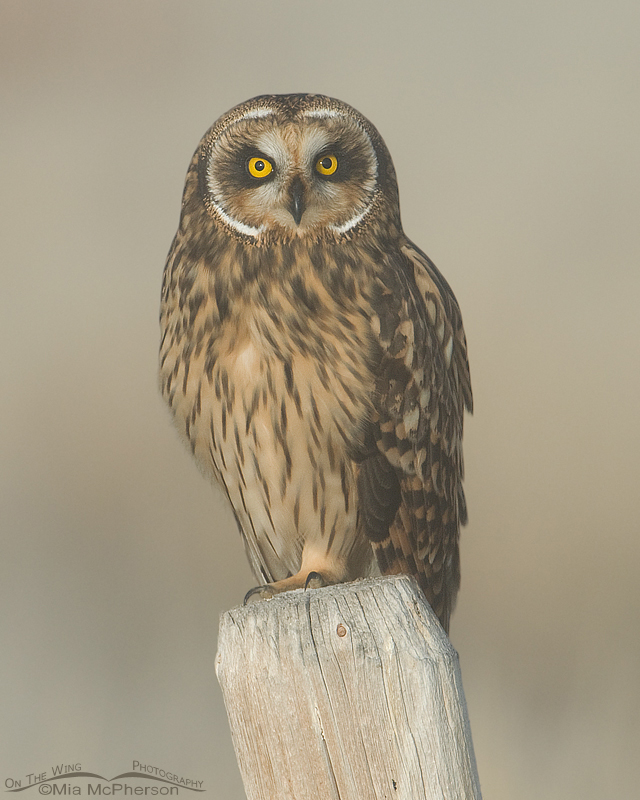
{"x":313,"y":580}
{"x":259,"y":593}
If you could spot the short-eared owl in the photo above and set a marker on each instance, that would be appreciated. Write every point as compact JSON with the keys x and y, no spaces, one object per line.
{"x":314,"y":359}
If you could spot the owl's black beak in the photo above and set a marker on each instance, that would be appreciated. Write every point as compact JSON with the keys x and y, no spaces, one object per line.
{"x":296,"y":207}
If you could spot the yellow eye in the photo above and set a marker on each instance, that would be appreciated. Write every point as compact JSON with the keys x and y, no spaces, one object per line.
{"x":260,"y":167}
{"x":327,"y":165}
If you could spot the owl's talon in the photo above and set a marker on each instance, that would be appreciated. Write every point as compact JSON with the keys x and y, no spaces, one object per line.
{"x":258,"y":593}
{"x":314,"y":581}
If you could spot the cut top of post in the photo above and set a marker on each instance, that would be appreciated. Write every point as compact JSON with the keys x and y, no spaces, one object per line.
{"x":349,"y":691}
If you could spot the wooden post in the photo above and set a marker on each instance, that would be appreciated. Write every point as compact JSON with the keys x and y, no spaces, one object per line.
{"x":350,"y":692}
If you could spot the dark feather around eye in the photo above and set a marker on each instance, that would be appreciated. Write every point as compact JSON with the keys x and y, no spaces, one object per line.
{"x":353,"y":161}
{"x":231,"y":168}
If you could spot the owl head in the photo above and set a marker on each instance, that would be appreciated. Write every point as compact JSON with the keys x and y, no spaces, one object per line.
{"x":283,"y":167}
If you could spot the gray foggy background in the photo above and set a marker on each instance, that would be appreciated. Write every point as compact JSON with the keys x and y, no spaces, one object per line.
{"x":515,"y":131}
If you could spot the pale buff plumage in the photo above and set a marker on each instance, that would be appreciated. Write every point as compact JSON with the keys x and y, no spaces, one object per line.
{"x":313,"y":358}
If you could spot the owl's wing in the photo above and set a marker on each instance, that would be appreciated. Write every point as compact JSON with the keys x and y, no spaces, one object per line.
{"x":411,"y":497}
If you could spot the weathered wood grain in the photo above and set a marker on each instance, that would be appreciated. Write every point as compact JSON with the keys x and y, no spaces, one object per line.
{"x":350,"y":691}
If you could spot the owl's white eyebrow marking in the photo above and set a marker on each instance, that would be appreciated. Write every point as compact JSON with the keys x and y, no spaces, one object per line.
{"x":322,"y":112}
{"x":271,"y":144}
{"x":256,"y":113}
